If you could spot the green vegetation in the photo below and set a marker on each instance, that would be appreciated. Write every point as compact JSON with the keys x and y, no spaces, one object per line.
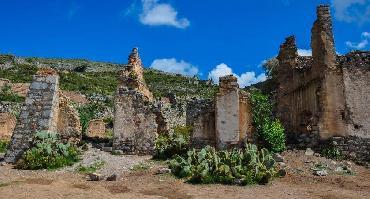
{"x":241,"y":167}
{"x":140,"y":167}
{"x":87,"y":113}
{"x":177,"y":143}
{"x":98,"y":164}
{"x":3,"y":146}
{"x":163,"y":83}
{"x":48,"y":152}
{"x":88,"y":83}
{"x":7,"y":95}
{"x":332,"y":152}
{"x":269,"y":130}
{"x":19,"y":73}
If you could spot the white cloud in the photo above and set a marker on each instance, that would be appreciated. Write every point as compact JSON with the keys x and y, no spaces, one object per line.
{"x":352,"y":10}
{"x":245,"y":79}
{"x":158,"y":14}
{"x":304,"y":52}
{"x":362,"y":44}
{"x":173,"y":66}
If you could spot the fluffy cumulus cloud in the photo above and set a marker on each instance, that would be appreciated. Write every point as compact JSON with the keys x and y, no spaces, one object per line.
{"x":304,"y":52}
{"x":352,"y":10}
{"x":155,"y":13}
{"x":174,"y":66}
{"x":365,"y":36}
{"x":245,"y":79}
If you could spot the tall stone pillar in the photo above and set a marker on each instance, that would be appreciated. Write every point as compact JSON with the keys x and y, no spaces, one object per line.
{"x":135,"y":127}
{"x":39,"y":113}
{"x":232,"y":114}
{"x":325,"y":63}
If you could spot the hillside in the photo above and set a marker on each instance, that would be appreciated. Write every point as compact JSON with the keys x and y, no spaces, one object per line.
{"x":99,"y":78}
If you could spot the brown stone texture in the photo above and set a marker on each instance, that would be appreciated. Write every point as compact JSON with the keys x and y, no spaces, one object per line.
{"x":356,"y":76}
{"x":7,"y":125}
{"x":135,"y":127}
{"x":132,"y":76}
{"x":68,"y":125}
{"x":310,"y":93}
{"x":135,"y":117}
{"x":326,"y":95}
{"x":39,"y":113}
{"x":96,"y":129}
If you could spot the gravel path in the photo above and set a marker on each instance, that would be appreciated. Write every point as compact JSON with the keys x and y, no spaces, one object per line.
{"x":112,"y":164}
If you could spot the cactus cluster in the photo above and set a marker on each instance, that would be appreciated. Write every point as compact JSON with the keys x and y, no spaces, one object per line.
{"x":238,"y":166}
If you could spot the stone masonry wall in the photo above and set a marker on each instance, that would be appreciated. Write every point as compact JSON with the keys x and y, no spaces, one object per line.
{"x":200,"y":114}
{"x":325,"y":97}
{"x":135,"y":127}
{"x":39,"y":113}
{"x":227,"y":113}
{"x":68,"y":125}
{"x":356,"y":76}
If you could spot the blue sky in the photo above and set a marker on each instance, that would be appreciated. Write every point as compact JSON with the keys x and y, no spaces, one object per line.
{"x":208,"y":38}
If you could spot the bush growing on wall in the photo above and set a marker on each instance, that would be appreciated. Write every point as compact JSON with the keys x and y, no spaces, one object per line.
{"x":268,"y":129}
{"x":239,"y":166}
{"x":48,"y":152}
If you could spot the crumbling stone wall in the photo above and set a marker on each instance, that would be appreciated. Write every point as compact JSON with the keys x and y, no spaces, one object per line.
{"x":132,"y":77}
{"x":96,"y":129}
{"x":224,"y":122}
{"x":310,"y":93}
{"x":45,"y":109}
{"x":39,"y":113}
{"x":135,"y":117}
{"x":135,"y":127}
{"x":200,"y":114}
{"x":356,"y":76}
{"x":325,"y":97}
{"x":68,"y":125}
{"x":7,"y":125}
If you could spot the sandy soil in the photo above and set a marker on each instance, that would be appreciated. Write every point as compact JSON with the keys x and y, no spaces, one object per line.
{"x":299,"y":183}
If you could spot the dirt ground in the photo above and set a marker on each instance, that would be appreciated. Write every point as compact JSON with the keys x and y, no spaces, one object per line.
{"x":299,"y":183}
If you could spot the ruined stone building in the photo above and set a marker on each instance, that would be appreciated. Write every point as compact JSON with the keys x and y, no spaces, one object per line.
{"x":224,"y":122}
{"x":326,"y":95}
{"x":44,"y":110}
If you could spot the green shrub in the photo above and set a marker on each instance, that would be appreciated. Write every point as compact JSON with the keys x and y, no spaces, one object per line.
{"x":6,"y":94}
{"x":332,"y":152}
{"x":19,"y":73}
{"x":3,"y":146}
{"x":239,"y":166}
{"x":268,"y":129}
{"x":88,"y":112}
{"x":48,"y":152}
{"x":177,"y":143}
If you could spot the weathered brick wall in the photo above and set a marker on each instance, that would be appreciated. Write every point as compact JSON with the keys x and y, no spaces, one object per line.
{"x":39,"y":113}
